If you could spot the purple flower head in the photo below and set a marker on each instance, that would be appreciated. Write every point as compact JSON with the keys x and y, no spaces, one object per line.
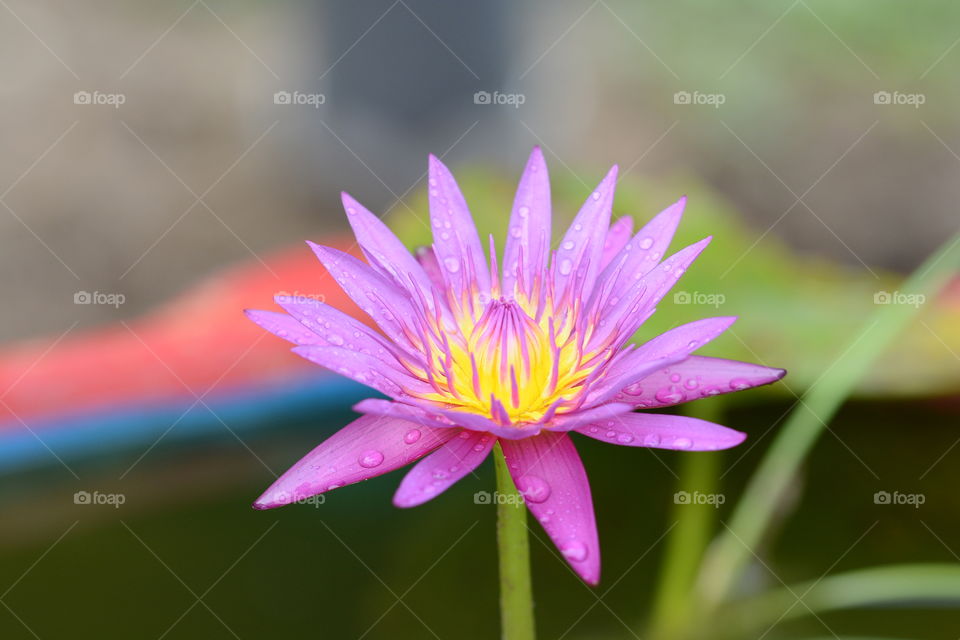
{"x":473,"y":350}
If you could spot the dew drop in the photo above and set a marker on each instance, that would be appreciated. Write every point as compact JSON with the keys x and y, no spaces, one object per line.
{"x":523,"y":211}
{"x":574,"y":551}
{"x":683,"y":443}
{"x":411,"y":436}
{"x":370,"y":458}
{"x":611,"y":434}
{"x":452,"y":264}
{"x":595,"y":195}
{"x":675,"y":377}
{"x":670,"y":395}
{"x":516,"y":232}
{"x":568,"y":245}
{"x":565,"y":267}
{"x":625,"y":438}
{"x":634,"y":389}
{"x":534,"y":488}
{"x":335,"y":339}
{"x":739,"y":383}
{"x":651,"y":440}
{"x":646,"y":243}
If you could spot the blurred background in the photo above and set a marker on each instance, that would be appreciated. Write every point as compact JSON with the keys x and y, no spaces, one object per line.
{"x":164,"y":162}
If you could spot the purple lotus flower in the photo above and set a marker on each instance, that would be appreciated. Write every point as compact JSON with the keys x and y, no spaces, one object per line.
{"x":521,"y":351}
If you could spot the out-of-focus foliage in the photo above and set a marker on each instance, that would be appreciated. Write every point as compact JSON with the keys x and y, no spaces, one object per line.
{"x":796,"y":311}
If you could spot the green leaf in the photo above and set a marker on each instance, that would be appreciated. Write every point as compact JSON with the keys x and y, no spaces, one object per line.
{"x":899,"y":585}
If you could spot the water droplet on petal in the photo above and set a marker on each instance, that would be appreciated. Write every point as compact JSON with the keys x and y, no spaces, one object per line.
{"x":675,"y":377}
{"x":516,"y":232}
{"x":625,"y":438}
{"x":534,"y":488}
{"x":683,"y":443}
{"x":651,"y":440}
{"x":568,"y":245}
{"x":574,"y":551}
{"x":565,"y":267}
{"x":739,"y":383}
{"x":411,"y":436}
{"x":452,"y":264}
{"x":523,"y":211}
{"x":370,"y":458}
{"x":670,"y":395}
{"x":646,"y":243}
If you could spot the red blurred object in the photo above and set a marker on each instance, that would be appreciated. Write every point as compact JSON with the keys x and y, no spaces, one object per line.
{"x":197,"y":342}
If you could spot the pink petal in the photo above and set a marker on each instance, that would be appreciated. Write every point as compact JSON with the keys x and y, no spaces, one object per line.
{"x":404,"y":411}
{"x":455,"y":238}
{"x":630,"y":372}
{"x":529,"y":226}
{"x":339,"y":329}
{"x":388,"y":305}
{"x":696,"y":377}
{"x":383,"y":249}
{"x":685,"y":338}
{"x":427,"y":258}
{"x":441,"y":469}
{"x":616,"y":239}
{"x":283,"y":326}
{"x":571,"y":421}
{"x":629,"y":305}
{"x":577,"y":260}
{"x":647,"y":247}
{"x":375,"y":372}
{"x":548,"y":472}
{"x":428,"y":414}
{"x":365,"y":448}
{"x":665,"y":432}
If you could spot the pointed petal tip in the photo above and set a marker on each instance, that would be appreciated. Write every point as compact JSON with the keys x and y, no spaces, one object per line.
{"x":404,"y":502}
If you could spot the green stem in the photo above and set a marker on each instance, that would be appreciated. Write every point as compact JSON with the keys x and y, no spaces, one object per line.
{"x":516,"y":593}
{"x":733,"y":548}
{"x":690,"y":535}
